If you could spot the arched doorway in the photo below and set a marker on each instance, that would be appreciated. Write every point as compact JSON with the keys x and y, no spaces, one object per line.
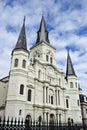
{"x":52,"y":118}
{"x":28,"y":121}
{"x":28,"y":118}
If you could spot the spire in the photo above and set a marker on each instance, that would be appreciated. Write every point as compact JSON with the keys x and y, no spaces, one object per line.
{"x":69,"y":69}
{"x":21,"y":43}
{"x":42,"y":34}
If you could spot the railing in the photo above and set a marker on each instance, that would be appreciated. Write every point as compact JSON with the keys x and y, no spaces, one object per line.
{"x":14,"y":124}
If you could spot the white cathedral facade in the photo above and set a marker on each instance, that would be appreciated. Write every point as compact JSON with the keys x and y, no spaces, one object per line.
{"x":39,"y":87}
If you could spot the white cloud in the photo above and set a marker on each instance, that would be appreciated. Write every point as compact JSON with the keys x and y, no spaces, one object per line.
{"x":63,"y":24}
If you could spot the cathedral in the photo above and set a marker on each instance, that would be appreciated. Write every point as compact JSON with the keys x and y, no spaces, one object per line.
{"x":36,"y":86}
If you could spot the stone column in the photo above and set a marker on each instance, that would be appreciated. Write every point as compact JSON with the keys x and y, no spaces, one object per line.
{"x":47,"y":120}
{"x":44,"y":116}
{"x":56,"y":96}
{"x":48,"y":95}
{"x":60,"y":119}
{"x":43,"y":94}
{"x":57,"y":118}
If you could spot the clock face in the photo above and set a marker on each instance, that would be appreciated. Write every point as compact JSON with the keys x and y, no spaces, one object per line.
{"x":50,"y":71}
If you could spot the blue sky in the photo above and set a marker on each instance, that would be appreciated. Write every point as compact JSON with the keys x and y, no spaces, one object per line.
{"x":66,"y":22}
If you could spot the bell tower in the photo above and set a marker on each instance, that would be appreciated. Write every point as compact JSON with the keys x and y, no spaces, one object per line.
{"x":16,"y":96}
{"x":70,"y":72}
{"x":20,"y":51}
{"x":43,"y":51}
{"x":73,"y":99}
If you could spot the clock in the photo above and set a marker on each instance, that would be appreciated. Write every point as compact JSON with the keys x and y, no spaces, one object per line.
{"x":50,"y":71}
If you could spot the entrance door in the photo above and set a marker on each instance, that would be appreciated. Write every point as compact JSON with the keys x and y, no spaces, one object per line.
{"x":52,"y":118}
{"x":28,"y":119}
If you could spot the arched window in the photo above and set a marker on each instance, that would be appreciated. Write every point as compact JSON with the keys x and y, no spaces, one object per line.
{"x":29,"y":95}
{"x":24,"y":63}
{"x":38,"y":53}
{"x":58,"y":97}
{"x":67,"y":103}
{"x":51,"y":60}
{"x":51,"y":99}
{"x":39,"y":118}
{"x":76,"y":84}
{"x":47,"y":58}
{"x":21,"y":89}
{"x":46,"y":94}
{"x":20,"y":112}
{"x":28,"y":118}
{"x":71,"y":84}
{"x":39,"y":74}
{"x":59,"y":81}
{"x":16,"y":63}
{"x":51,"y":96}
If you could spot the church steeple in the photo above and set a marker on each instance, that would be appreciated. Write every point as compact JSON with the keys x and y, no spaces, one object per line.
{"x":21,"y":43}
{"x":69,"y":69}
{"x":42,"y":34}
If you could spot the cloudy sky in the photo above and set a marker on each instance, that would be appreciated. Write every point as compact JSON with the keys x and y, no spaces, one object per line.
{"x":66,"y":21}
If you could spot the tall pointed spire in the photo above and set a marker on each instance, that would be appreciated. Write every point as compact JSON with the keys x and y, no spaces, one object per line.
{"x":69,"y":69}
{"x":42,"y":34}
{"x":21,"y":43}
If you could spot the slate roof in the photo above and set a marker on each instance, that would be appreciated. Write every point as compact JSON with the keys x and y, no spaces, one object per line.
{"x":42,"y":34}
{"x":21,"y":43}
{"x":69,"y":68}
